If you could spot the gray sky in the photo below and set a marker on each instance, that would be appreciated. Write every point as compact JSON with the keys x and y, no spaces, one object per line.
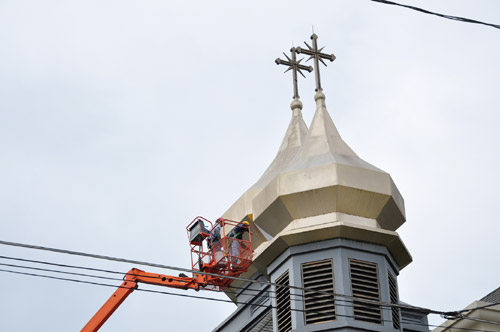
{"x":121,"y":121}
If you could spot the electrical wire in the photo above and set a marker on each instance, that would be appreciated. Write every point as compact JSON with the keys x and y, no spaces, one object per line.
{"x":117,"y":279}
{"x":480,"y":307}
{"x":110,"y":271}
{"x":114,"y":286}
{"x":117,"y":259}
{"x":296,"y":297}
{"x":207,"y":298}
{"x":246,"y":291}
{"x":253,"y":292}
{"x":379,"y":303}
{"x":450,"y":17}
{"x":77,"y":267}
{"x":243,"y":291}
{"x":57,"y":271}
{"x":123,"y":260}
{"x":59,"y":264}
{"x":479,"y":320}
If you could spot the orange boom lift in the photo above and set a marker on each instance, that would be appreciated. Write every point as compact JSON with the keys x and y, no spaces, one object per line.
{"x":218,"y":252}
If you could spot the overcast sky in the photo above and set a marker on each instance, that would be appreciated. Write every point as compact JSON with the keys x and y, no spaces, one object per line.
{"x":121,"y":121}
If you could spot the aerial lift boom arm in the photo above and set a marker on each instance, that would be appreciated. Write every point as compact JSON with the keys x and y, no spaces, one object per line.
{"x":217,"y":256}
{"x":132,"y":278}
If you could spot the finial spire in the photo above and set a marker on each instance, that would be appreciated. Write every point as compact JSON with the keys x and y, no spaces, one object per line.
{"x":315,"y":53}
{"x":295,"y":66}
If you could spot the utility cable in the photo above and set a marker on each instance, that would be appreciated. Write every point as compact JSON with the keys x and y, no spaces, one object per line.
{"x":241,"y":289}
{"x":293,"y":297}
{"x":76,"y":267}
{"x":60,"y":265}
{"x":253,"y":292}
{"x":481,"y":307}
{"x":123,"y":260}
{"x":117,"y":279}
{"x":478,"y":320}
{"x":450,"y":17}
{"x":207,"y":298}
{"x":57,"y":271}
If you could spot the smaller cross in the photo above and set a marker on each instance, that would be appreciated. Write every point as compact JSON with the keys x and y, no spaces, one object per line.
{"x":294,"y":65}
{"x":316,"y":54}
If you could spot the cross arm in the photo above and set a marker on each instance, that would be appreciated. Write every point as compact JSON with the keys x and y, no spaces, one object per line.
{"x":313,"y":53}
{"x":278,"y":61}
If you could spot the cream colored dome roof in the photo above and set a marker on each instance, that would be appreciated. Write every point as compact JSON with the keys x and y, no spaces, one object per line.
{"x":317,"y":189}
{"x":326,"y":176}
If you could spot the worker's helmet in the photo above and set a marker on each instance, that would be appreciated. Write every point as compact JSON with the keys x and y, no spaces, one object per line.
{"x":246,"y":223}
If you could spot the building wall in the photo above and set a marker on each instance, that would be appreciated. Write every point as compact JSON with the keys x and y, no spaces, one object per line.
{"x":255,"y":300}
{"x":340,"y":251}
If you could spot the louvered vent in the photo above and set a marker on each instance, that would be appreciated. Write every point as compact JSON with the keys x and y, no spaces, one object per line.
{"x":318,"y":277}
{"x":364,"y":284}
{"x":283,"y":304}
{"x":258,"y":303}
{"x":393,"y":293}
{"x":263,"y":325}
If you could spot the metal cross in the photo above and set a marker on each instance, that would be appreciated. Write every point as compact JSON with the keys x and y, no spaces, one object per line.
{"x":294,"y":65}
{"x":316,"y":54}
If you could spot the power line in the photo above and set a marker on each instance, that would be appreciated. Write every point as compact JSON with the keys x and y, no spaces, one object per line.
{"x":243,"y":290}
{"x":293,"y":296}
{"x":207,"y":298}
{"x":246,"y":291}
{"x":117,"y":259}
{"x":57,"y":271}
{"x":479,"y":320}
{"x":114,"y":286}
{"x":450,"y":17}
{"x":76,"y":267}
{"x":123,"y":260}
{"x":60,"y":265}
{"x":117,"y":279}
{"x":480,"y":307}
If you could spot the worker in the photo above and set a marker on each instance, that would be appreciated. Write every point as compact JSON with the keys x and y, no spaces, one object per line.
{"x":216,"y":232}
{"x":237,"y":235}
{"x":218,"y":250}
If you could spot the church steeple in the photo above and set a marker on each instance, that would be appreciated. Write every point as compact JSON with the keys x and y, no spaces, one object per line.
{"x":322,"y":219}
{"x":317,"y":176}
